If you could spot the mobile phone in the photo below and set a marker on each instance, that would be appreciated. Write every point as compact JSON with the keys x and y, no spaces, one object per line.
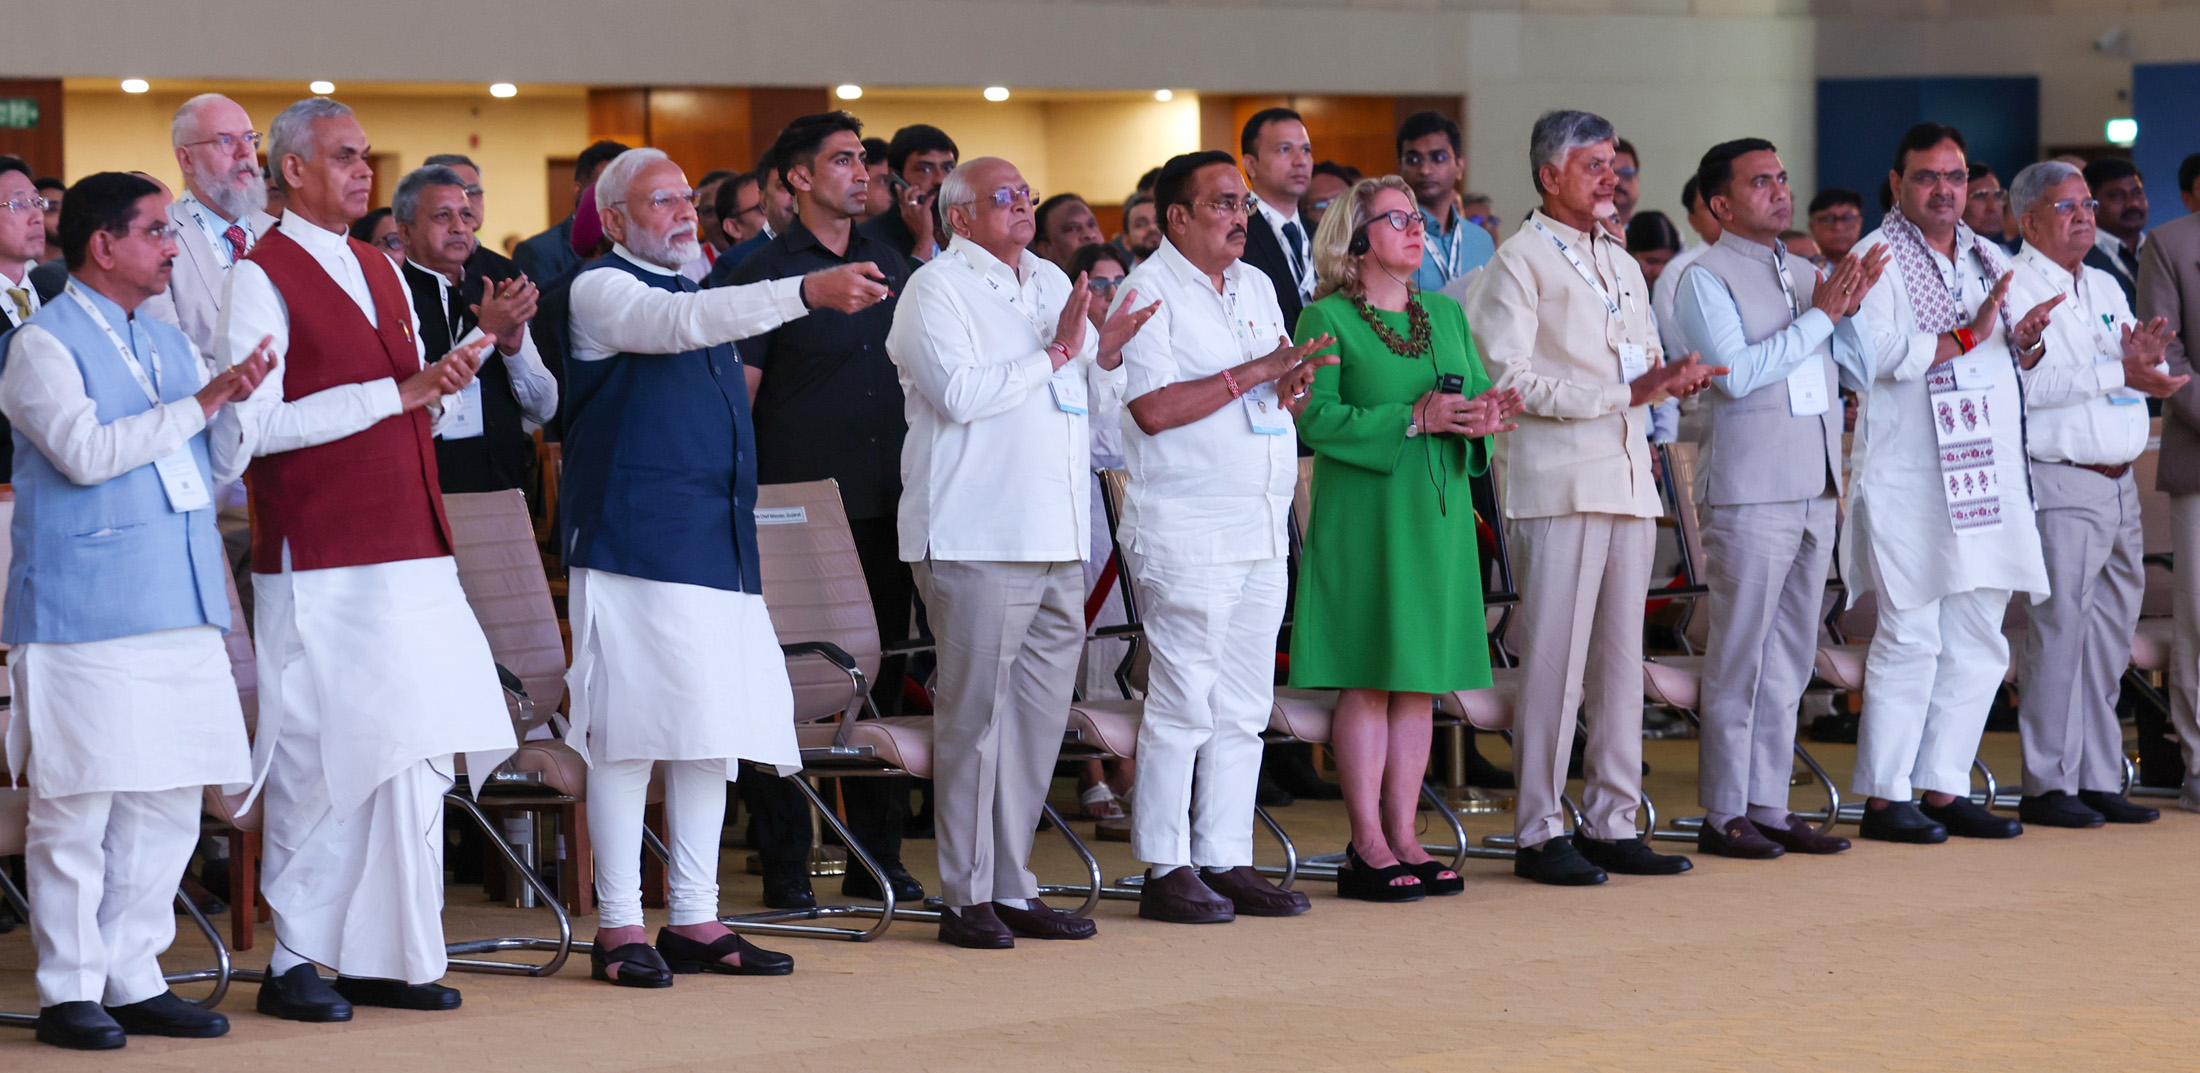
{"x":1450,"y":384}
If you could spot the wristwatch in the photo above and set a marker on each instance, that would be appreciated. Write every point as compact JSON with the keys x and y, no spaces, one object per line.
{"x":1413,"y":428}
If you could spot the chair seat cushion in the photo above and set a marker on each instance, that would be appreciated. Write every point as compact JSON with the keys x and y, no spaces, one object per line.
{"x":2151,"y":644}
{"x":563,"y":771}
{"x":1842,"y":665}
{"x":1111,"y":725}
{"x":902,"y":741}
{"x":1489,"y":708}
{"x":1673,"y":681}
{"x":1304,"y":714}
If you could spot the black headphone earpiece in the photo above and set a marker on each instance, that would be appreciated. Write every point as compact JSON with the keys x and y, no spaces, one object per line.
{"x":1358,"y":246}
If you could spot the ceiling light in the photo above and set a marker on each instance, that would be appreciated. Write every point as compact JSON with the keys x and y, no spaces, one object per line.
{"x":1164,"y":96}
{"x":996,"y":93}
{"x":322,"y":87}
{"x":134,"y":85}
{"x":503,"y":89}
{"x":2123,"y":131}
{"x":848,"y":92}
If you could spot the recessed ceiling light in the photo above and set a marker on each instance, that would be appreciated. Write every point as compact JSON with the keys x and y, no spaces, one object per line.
{"x":503,"y":89}
{"x":849,"y":92}
{"x":135,"y":85}
{"x":1164,"y":95}
{"x":996,"y":93}
{"x":322,"y":87}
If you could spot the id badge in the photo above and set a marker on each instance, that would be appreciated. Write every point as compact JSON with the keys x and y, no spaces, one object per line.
{"x":1634,"y":360}
{"x":462,"y":413}
{"x":1807,"y":395}
{"x":1265,"y":411}
{"x":2125,"y":396}
{"x":1068,"y":386}
{"x":180,"y":478}
{"x":1975,"y":372}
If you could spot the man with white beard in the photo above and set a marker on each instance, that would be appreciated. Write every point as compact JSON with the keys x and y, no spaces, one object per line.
{"x":222,"y":213}
{"x":674,"y":658}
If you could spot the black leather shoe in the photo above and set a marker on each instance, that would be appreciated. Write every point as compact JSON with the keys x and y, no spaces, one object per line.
{"x":79,"y":1026}
{"x":639,"y":965}
{"x":1557,"y":863}
{"x":396,"y":994}
{"x":1964,"y":818}
{"x":1267,"y":794}
{"x":1043,"y":922}
{"x":975,"y":927}
{"x":859,"y":884}
{"x":1799,"y":835}
{"x":2058,"y":809}
{"x":788,"y":886}
{"x":1901,"y":821}
{"x":686,"y":956}
{"x":1251,"y":894}
{"x":301,"y":995}
{"x":1177,"y":896}
{"x":168,"y":1014}
{"x":2116,"y":808}
{"x":1630,"y":857}
{"x":1740,"y":839}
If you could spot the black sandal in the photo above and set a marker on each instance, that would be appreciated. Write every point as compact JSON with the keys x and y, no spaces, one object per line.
{"x":639,"y":966}
{"x":1357,"y":880}
{"x":1431,"y":874}
{"x":686,"y":956}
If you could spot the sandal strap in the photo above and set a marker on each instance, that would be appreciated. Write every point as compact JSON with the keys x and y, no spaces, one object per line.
{"x":641,"y":954}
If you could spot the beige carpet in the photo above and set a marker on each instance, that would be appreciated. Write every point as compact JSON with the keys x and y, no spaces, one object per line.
{"x":2060,"y":951}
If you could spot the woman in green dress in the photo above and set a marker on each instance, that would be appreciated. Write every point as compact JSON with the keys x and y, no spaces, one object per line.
{"x":1390,"y":591}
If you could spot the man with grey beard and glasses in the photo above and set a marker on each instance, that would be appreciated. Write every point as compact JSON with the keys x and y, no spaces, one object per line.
{"x":222,"y":213}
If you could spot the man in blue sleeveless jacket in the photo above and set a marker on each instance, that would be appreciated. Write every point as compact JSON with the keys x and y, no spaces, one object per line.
{"x":125,"y":707}
{"x":674,"y":657}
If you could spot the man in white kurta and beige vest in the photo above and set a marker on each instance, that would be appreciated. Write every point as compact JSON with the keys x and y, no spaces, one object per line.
{"x":373,"y":671}
{"x":1770,"y":481}
{"x":2085,"y":408}
{"x":1940,"y":523}
{"x":674,"y":658}
{"x":1562,"y":316}
{"x":116,"y":605}
{"x":994,"y":351}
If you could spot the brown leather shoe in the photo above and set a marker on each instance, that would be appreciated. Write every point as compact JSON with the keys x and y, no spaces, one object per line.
{"x":1042,"y":922}
{"x":975,"y":927}
{"x":1801,"y":836}
{"x":1178,"y":897}
{"x":1738,"y":838}
{"x":1252,"y":895}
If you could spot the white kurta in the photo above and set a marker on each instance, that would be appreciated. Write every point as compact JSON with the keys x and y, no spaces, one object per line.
{"x":1900,"y":542}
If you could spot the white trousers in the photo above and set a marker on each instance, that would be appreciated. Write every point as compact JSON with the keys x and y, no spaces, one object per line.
{"x":1929,"y":679}
{"x":695,"y":811}
{"x":103,"y":869}
{"x":361,"y":893}
{"x":1210,"y":691}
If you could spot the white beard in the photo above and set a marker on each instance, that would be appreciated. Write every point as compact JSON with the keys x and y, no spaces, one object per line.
{"x":674,"y":252}
{"x":237,"y":201}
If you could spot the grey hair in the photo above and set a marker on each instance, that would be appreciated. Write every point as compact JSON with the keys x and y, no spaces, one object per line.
{"x":2036,"y":180}
{"x":956,"y":190}
{"x":185,"y":124}
{"x":1561,"y":132}
{"x":291,"y":134}
{"x":619,"y":174}
{"x":405,"y":202}
{"x":450,"y":160}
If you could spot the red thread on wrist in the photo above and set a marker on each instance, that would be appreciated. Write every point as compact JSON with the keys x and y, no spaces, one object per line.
{"x":1231,"y":383}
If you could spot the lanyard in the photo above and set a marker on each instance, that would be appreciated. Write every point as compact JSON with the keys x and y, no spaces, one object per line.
{"x":1610,"y":306}
{"x":1787,"y":282}
{"x":148,"y":384}
{"x":1013,"y":298}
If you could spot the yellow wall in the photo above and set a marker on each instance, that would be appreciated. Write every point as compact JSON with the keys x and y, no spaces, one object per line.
{"x":1097,"y":148}
{"x":115,"y":131}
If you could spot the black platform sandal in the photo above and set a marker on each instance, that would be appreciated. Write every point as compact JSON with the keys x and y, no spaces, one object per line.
{"x":1357,"y":880}
{"x":686,"y":956}
{"x":1431,"y":874}
{"x":639,"y":966}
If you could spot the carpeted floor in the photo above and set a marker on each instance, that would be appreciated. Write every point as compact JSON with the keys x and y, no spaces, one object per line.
{"x":2062,"y":950}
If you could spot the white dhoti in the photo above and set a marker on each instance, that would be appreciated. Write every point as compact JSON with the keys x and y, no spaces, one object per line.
{"x":1209,"y":695}
{"x":117,"y":738}
{"x":371,"y":678}
{"x":684,"y":674}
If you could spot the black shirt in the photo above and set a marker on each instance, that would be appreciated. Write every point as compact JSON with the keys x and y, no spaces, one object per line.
{"x":830,"y":404}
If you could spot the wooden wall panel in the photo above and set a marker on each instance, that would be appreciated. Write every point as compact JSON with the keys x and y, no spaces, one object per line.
{"x":1357,"y":131}
{"x":770,"y":110}
{"x":700,"y":128}
{"x":38,"y":145}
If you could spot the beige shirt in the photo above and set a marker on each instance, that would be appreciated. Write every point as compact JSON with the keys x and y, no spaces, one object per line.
{"x":1544,"y":331}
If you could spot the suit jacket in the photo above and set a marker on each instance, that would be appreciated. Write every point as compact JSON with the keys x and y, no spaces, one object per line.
{"x":48,"y":279}
{"x":2100,"y":259}
{"x":193,"y":300}
{"x":721,"y":270}
{"x":1264,"y":250}
{"x":9,"y":321}
{"x":2169,"y":286}
{"x":549,"y":255}
{"x":503,"y":455}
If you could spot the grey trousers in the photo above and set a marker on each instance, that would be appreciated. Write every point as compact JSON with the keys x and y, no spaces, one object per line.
{"x":1582,"y":581}
{"x":2072,"y":663}
{"x":1009,"y":636}
{"x":1767,"y":564}
{"x":2184,"y":667}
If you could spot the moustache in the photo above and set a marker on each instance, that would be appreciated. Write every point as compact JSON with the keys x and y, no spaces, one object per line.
{"x":1237,"y":233}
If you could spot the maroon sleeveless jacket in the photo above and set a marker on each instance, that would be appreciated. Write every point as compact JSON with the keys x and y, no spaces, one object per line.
{"x":372,"y":496}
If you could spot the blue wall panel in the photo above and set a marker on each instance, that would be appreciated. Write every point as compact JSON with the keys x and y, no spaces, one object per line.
{"x":1861,"y":119}
{"x":2165,"y":99}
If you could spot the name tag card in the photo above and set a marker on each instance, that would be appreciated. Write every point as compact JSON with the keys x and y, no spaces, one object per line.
{"x":462,"y":418}
{"x":1068,"y":386}
{"x":1265,"y":411}
{"x":1807,"y":394}
{"x":180,"y":478}
{"x":1634,"y":360}
{"x":1976,"y":372}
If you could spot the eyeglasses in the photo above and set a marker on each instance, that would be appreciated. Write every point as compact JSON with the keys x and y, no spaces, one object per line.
{"x":1838,"y":219}
{"x":2070,"y":205}
{"x":1401,"y":220}
{"x":228,"y":143}
{"x":158,"y":233}
{"x":1322,"y":205}
{"x":746,"y":211}
{"x":1991,"y":197}
{"x":664,"y":200}
{"x":1008,"y":195}
{"x":1626,"y":173}
{"x":26,"y":204}
{"x":391,"y":241}
{"x":1103,"y":284}
{"x":473,"y":190}
{"x":1231,"y":205}
{"x":1956,"y":177}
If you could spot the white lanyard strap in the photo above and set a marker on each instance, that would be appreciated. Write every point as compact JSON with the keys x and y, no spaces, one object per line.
{"x":1610,"y":306}
{"x":1787,"y":282}
{"x":150,"y":385}
{"x":1013,"y":298}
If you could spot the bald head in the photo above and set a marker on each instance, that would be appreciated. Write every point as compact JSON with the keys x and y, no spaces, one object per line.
{"x":217,"y":151}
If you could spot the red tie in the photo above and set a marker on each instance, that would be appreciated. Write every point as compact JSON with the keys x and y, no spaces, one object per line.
{"x":236,"y":240}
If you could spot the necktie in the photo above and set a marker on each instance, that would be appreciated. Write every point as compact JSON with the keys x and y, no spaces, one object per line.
{"x":22,"y":300}
{"x":1296,"y":237}
{"x":235,"y":237}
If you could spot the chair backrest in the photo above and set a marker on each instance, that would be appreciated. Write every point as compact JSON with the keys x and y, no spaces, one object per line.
{"x":500,"y":567}
{"x":1680,"y":480}
{"x":1130,"y":674}
{"x":815,"y":590}
{"x":2154,"y":518}
{"x":7,"y":546}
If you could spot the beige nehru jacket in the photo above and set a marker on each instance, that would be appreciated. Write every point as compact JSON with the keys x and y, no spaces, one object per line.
{"x":1544,"y":331}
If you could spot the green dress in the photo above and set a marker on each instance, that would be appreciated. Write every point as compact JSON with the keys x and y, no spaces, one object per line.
{"x":1390,"y":583}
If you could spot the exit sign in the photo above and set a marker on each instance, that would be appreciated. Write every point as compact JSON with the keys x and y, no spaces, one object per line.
{"x":18,"y":113}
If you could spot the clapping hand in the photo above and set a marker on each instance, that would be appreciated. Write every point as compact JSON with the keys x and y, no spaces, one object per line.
{"x":2143,"y":347}
{"x":1680,"y":379}
{"x":1069,"y":328}
{"x":1118,"y":327}
{"x":239,"y":380}
{"x":448,"y":376}
{"x":504,"y":311}
{"x":1301,"y":363}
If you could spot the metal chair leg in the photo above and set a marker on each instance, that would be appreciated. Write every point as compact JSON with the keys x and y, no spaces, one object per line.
{"x":1094,"y":883}
{"x":221,"y":974}
{"x":778,"y":921}
{"x":560,"y":948}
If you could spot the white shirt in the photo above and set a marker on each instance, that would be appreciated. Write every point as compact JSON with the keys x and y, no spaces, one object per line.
{"x":1303,"y":255}
{"x":2076,"y":407}
{"x":993,"y":470}
{"x":9,"y":317}
{"x":1663,"y":296}
{"x":1211,"y":491}
{"x":614,"y":313}
{"x":532,"y":383}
